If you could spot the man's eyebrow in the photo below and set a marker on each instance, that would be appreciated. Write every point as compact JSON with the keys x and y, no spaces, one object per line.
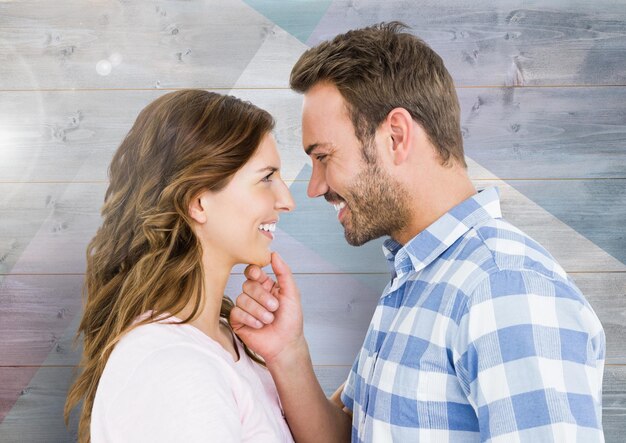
{"x":314,"y":146}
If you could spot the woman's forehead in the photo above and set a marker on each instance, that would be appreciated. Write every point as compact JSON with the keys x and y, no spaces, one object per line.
{"x":267,"y":150}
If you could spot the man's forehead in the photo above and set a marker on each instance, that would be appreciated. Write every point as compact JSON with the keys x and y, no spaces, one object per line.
{"x":316,"y":132}
{"x":322,"y":97}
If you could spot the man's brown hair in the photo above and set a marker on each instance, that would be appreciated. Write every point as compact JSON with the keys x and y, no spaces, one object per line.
{"x":382,"y":67}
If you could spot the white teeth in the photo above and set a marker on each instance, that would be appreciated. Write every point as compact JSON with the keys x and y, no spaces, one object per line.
{"x":268,"y":227}
{"x":340,"y":206}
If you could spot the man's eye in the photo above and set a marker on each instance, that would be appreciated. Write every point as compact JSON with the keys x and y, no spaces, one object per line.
{"x":320,"y":157}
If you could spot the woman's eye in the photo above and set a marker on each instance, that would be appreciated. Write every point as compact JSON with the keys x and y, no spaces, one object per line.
{"x":268,"y":177}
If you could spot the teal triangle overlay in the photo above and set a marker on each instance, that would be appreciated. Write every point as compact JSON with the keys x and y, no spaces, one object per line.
{"x":297,"y":17}
{"x":314,"y":216}
{"x":593,"y":208}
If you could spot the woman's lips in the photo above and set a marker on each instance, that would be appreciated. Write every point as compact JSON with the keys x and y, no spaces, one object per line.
{"x":267,"y":234}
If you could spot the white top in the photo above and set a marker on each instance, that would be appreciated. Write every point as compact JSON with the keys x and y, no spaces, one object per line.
{"x":165,"y":382}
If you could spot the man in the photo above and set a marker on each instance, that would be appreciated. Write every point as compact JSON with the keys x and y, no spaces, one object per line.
{"x":480,"y":335}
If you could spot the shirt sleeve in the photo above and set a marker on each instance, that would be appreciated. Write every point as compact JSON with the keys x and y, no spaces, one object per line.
{"x":529,"y":355}
{"x":175,"y":394}
{"x":347,"y":395}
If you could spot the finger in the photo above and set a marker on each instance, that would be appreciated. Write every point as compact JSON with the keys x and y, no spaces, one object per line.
{"x":255,"y":309}
{"x":269,"y":284}
{"x":255,"y":273}
{"x":240,"y":318}
{"x":284,"y":277}
{"x":336,"y":397}
{"x":261,"y":295}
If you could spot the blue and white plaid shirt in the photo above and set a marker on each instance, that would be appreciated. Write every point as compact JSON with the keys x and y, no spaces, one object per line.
{"x":479,"y":336}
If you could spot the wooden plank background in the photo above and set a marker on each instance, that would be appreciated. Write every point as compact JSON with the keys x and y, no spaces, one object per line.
{"x":542,"y":87}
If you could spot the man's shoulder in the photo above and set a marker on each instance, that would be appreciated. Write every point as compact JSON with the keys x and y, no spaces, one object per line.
{"x":513,"y":250}
{"x":496,"y":251}
{"x":491,"y":247}
{"x":518,"y":264}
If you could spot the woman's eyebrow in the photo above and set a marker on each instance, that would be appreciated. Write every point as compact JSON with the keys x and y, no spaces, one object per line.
{"x":269,"y":168}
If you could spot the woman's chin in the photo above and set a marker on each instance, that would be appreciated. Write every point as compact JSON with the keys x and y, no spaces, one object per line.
{"x":262,"y":260}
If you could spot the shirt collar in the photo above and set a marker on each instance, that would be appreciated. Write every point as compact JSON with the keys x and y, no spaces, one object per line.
{"x":429,"y":244}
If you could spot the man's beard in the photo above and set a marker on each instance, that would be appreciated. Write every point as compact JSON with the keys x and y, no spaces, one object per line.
{"x":378,"y":205}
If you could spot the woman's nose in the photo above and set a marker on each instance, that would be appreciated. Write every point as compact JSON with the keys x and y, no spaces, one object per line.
{"x":284,"y":200}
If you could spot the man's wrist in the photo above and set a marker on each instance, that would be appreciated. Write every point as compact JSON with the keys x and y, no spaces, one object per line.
{"x":292,"y":356}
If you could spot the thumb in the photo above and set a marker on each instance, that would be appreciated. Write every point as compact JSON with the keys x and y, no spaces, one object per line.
{"x":284,"y":277}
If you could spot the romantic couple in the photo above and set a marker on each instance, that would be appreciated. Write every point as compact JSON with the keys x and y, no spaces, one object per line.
{"x":479,"y":335}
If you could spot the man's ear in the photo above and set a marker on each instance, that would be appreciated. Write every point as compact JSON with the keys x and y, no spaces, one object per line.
{"x":401,"y":129}
{"x":197,"y":208}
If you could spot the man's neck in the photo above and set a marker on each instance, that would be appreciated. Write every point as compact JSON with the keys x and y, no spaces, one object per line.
{"x":433,"y":200}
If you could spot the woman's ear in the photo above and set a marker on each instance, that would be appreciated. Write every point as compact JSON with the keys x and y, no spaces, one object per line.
{"x":197,"y":208}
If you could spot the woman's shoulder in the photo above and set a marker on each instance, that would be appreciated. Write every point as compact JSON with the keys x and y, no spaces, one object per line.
{"x":159,"y":377}
{"x":163,"y":342}
{"x":178,"y":361}
{"x":157,"y":357}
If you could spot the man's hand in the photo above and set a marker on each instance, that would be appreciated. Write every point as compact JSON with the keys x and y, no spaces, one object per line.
{"x":268,"y":314}
{"x":268,"y":318}
{"x":336,"y":400}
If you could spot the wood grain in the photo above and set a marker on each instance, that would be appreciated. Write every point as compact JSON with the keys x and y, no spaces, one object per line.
{"x":592,"y":208}
{"x":512,"y":133}
{"x":72,"y":136}
{"x":508,"y":42}
{"x":37,"y":415}
{"x":539,"y":133}
{"x":159,"y":44}
{"x":607,"y":295}
{"x":174,"y":44}
{"x":614,"y":403}
{"x":542,"y":87}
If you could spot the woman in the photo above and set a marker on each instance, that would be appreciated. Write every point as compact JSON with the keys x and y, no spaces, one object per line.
{"x":194,"y":190}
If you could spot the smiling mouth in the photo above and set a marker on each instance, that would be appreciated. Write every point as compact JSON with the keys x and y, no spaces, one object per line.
{"x":267,"y":229}
{"x":339,"y":206}
{"x":341,"y":209}
{"x":337,"y":201}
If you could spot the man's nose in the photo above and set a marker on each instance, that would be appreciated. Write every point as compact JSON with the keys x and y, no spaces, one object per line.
{"x":317,"y":183}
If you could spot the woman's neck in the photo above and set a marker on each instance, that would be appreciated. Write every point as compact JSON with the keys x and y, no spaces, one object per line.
{"x":207,"y":319}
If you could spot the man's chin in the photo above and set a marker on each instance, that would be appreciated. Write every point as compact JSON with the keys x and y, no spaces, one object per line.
{"x":354,"y":240}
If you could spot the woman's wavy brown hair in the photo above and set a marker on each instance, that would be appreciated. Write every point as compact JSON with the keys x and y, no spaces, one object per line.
{"x":145,"y":255}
